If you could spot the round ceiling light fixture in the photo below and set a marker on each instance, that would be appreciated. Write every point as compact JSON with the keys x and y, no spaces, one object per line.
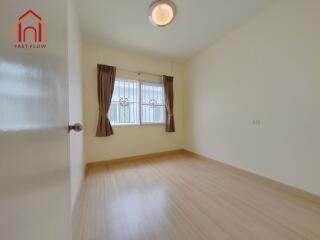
{"x":162,"y":12}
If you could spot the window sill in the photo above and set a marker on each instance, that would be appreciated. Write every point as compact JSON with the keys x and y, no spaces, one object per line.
{"x":152,"y":124}
{"x":137,"y":124}
{"x":125,"y":125}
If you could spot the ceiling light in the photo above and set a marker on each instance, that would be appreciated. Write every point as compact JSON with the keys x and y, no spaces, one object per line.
{"x":162,"y":12}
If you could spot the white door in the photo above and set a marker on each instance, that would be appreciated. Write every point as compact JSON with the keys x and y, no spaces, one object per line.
{"x":34,"y":165}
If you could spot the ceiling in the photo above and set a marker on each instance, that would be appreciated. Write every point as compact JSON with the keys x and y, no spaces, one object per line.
{"x":124,"y":24}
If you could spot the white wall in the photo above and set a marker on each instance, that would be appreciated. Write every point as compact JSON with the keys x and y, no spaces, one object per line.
{"x":75,"y":101}
{"x":127,"y":140}
{"x":267,"y":70}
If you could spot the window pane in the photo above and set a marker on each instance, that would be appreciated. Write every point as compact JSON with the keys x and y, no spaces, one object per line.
{"x":152,"y":103}
{"x":151,"y":91}
{"x":152,"y":114}
{"x":124,"y":107}
{"x":113,"y":116}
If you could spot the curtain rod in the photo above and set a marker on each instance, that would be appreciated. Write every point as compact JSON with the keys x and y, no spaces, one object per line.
{"x":140,"y":72}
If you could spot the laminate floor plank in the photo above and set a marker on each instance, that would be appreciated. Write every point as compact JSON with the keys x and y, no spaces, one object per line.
{"x":185,"y":197}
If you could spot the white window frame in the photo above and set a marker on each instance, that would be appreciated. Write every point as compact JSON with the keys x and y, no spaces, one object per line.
{"x":138,"y":104}
{"x":163,"y":105}
{"x":139,"y":122}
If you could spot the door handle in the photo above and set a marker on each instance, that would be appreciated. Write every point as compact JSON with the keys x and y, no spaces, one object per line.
{"x":77,"y":127}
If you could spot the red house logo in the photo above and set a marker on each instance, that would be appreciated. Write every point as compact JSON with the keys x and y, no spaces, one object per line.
{"x":30,"y":31}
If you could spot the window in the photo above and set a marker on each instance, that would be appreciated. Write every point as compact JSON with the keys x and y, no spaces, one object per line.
{"x":135,"y":103}
{"x":152,"y":103}
{"x":124,"y":109}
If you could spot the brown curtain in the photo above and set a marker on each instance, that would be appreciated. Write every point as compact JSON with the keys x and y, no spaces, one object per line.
{"x":106,"y":78}
{"x":168,"y":91}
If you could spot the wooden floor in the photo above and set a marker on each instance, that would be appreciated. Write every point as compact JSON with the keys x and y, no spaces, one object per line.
{"x":182,"y":197}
